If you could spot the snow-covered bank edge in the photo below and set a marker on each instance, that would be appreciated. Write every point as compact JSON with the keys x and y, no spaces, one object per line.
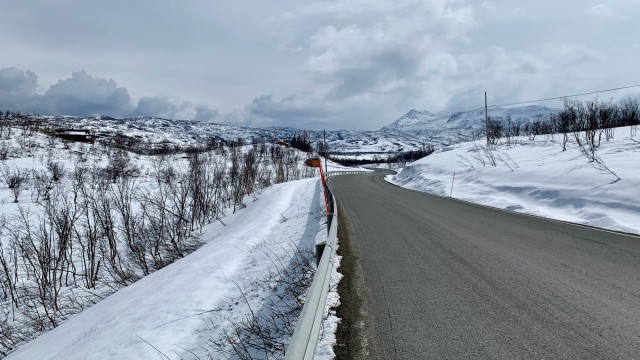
{"x":536,"y":177}
{"x":324,"y":349}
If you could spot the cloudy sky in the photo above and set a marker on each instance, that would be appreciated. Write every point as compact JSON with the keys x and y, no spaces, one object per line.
{"x":308,"y":63}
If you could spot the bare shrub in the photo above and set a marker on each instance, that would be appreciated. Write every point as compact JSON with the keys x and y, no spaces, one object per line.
{"x":42,"y":184}
{"x":260,"y":335}
{"x":120,"y":166}
{"x":495,"y":130}
{"x":56,"y":169}
{"x":596,"y":161}
{"x":4,"y":150}
{"x":15,"y":178}
{"x":464,"y":161}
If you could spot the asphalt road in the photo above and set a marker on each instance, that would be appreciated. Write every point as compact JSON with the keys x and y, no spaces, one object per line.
{"x":443,"y":279}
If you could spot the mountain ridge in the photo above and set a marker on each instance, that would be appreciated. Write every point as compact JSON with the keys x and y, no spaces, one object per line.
{"x":409,"y":132}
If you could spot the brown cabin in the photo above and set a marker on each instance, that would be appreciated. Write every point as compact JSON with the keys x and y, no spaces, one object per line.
{"x":75,"y":135}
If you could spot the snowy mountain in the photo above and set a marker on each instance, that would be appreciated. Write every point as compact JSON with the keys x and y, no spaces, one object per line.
{"x":414,"y":119}
{"x":462,"y":126}
{"x":409,"y":132}
{"x":475,"y":119}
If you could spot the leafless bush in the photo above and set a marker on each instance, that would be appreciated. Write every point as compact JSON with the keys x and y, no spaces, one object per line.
{"x":8,"y":272}
{"x":15,"y":178}
{"x":120,"y":166}
{"x":42,"y":185}
{"x":596,"y":161}
{"x":495,"y":130}
{"x":10,"y":334}
{"x":260,"y":335}
{"x":504,"y":162}
{"x":464,"y":161}
{"x":56,"y":169}
{"x":477,"y":155}
{"x":509,"y":162}
{"x":488,"y":153}
{"x":4,"y":150}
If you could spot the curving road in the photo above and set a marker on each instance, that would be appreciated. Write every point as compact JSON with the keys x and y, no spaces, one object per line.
{"x":435,"y":278}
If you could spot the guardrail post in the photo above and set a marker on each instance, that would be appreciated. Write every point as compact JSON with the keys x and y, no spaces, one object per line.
{"x":320,"y":247}
{"x":319,"y":252}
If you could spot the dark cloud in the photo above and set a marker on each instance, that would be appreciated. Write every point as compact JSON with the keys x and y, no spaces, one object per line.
{"x":85,"y":95}
{"x":205,"y":113}
{"x":301,"y":109}
{"x":311,"y":111}
{"x":296,"y":111}
{"x":17,"y":88}
{"x":155,"y":106}
{"x":15,"y":81}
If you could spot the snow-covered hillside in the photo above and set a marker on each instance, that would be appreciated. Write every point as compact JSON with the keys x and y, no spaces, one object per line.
{"x":415,"y":120}
{"x":537,"y":177}
{"x":81,"y":221}
{"x":409,"y":132}
{"x":179,"y":311}
{"x":475,"y":119}
{"x":463,"y":126}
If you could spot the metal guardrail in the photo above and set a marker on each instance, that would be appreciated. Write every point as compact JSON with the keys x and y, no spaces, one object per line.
{"x":305,"y":336}
{"x":346,"y":172}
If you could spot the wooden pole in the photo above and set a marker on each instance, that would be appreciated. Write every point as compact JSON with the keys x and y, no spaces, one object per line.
{"x":452,"y":181}
{"x":324,"y":186}
{"x":486,"y":118}
{"x":324,"y":148}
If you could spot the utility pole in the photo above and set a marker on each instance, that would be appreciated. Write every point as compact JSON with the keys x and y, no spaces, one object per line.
{"x":324,"y":148}
{"x":486,"y":118}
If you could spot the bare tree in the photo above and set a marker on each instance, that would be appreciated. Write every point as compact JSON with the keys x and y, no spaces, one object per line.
{"x":56,"y":169}
{"x":15,"y":178}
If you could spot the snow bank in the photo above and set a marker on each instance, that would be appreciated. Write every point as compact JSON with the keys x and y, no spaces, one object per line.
{"x":537,"y":177}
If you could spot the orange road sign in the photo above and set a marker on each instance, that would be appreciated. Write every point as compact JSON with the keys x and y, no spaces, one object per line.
{"x":313,"y":162}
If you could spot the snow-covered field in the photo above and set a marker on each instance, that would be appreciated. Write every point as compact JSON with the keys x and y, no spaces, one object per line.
{"x":174,"y":312}
{"x":536,"y":177}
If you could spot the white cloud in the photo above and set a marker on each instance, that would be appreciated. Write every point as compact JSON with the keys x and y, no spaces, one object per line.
{"x":519,"y":11}
{"x":488,"y":6}
{"x":393,"y":53}
{"x":600,"y":10}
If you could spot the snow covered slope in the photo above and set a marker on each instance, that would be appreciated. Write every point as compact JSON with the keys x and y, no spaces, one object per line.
{"x":166,"y":312}
{"x":537,"y":177}
{"x":464,"y":126}
{"x":415,"y":120}
{"x":475,"y":119}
